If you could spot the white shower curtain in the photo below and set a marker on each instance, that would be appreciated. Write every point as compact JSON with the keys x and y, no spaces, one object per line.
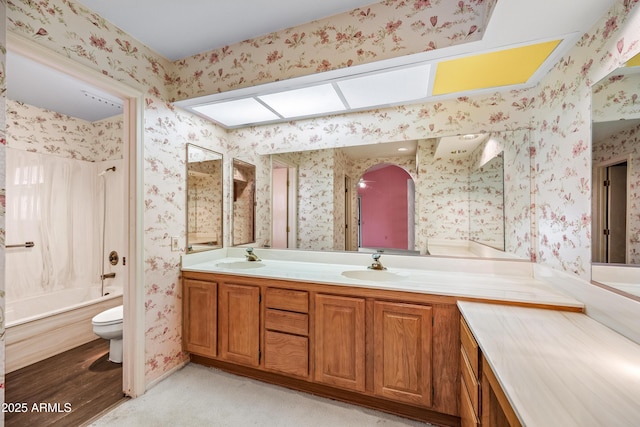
{"x":54,"y":202}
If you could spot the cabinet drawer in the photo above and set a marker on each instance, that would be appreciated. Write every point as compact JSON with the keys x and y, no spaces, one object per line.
{"x":470,"y":381}
{"x":287,"y":299}
{"x":470,"y":347}
{"x":468,"y":417}
{"x":286,"y":353}
{"x":286,"y":321}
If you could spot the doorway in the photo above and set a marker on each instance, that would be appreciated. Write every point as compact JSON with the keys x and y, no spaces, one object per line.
{"x":610,"y":222}
{"x":133,"y":375}
{"x":284,"y":206}
{"x":386,"y":208}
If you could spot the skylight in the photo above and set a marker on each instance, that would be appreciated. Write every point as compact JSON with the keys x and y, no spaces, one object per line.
{"x":390,"y":87}
{"x":237,"y":112}
{"x":339,"y":95}
{"x":308,"y":101}
{"x":382,"y":84}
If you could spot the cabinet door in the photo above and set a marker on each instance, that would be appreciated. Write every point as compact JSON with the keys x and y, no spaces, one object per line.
{"x":239,"y":323}
{"x":340,"y":341}
{"x":286,"y":353}
{"x":199,"y":317}
{"x":402,"y":355}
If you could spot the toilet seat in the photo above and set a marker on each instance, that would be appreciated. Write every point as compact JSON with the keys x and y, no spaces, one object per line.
{"x":111,"y":316}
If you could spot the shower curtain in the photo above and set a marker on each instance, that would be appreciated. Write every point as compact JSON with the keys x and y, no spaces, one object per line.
{"x":54,"y":202}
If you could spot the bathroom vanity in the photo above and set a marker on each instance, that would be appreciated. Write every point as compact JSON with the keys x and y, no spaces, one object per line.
{"x":385,"y":349}
{"x":392,"y":340}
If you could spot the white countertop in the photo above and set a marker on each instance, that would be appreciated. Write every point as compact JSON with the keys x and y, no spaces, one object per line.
{"x":559,"y":368}
{"x":450,"y":281}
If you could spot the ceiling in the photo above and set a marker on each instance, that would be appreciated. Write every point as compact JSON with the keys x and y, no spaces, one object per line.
{"x":181,"y":29}
{"x":35,"y":84}
{"x":186,"y":27}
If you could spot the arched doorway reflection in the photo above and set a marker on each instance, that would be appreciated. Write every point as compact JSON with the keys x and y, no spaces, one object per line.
{"x":386,"y":208}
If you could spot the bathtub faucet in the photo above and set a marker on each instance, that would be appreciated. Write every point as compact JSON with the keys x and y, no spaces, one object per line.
{"x":108,"y":276}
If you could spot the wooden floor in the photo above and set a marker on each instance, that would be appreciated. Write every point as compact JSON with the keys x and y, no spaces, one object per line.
{"x":65,"y":390}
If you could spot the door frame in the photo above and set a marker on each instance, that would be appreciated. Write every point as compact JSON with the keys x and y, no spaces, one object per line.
{"x":292,"y":199}
{"x":133,"y":377}
{"x":599,"y":203}
{"x":348,"y":214}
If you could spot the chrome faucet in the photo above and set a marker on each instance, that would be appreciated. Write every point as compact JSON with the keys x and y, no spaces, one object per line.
{"x":376,"y":265}
{"x":251,"y":256}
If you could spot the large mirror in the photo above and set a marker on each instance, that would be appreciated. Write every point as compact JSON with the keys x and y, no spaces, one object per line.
{"x":466,"y":195}
{"x":616,"y":177}
{"x":244,"y":202}
{"x":204,"y":199}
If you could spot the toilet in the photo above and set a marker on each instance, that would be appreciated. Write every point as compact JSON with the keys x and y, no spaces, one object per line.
{"x":108,"y":325}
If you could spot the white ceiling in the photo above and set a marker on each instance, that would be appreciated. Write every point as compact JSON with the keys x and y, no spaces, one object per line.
{"x":180,"y":29}
{"x":177,"y":29}
{"x":35,"y":84}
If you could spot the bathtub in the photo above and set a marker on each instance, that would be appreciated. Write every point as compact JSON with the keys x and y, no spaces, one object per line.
{"x":43,"y":326}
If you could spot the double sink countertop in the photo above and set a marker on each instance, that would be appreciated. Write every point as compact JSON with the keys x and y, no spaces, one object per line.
{"x":556,"y":367}
{"x":474,"y":279}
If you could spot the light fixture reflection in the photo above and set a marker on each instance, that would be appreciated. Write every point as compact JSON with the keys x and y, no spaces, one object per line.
{"x":238,"y":112}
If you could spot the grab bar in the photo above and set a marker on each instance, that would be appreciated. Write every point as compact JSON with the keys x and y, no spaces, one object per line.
{"x":24,"y":245}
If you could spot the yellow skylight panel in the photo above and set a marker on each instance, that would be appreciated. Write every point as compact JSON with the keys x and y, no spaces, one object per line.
{"x":634,"y":62}
{"x":495,"y":69}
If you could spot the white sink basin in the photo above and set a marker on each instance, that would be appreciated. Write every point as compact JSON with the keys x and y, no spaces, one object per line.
{"x":240,"y":265}
{"x":374,"y":275}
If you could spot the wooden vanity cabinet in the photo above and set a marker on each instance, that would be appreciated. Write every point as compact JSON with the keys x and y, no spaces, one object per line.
{"x":496,"y":410}
{"x":470,"y":378}
{"x":482,"y":401}
{"x":340,"y":341}
{"x":199,"y":317}
{"x":390,"y":350}
{"x":239,"y":323}
{"x":402,"y":352}
{"x":286,"y":336}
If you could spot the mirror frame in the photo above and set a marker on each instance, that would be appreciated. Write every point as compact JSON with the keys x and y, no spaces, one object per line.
{"x":213,"y":244}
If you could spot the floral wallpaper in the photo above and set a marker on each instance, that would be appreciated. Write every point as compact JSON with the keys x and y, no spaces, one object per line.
{"x":518,"y":205}
{"x":376,"y":32}
{"x":244,"y":196}
{"x":442,"y":196}
{"x":34,"y":129}
{"x":204,"y":199}
{"x":616,"y":97}
{"x":562,"y":159}
{"x":316,"y":194}
{"x":557,"y":112}
{"x":486,"y":202}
